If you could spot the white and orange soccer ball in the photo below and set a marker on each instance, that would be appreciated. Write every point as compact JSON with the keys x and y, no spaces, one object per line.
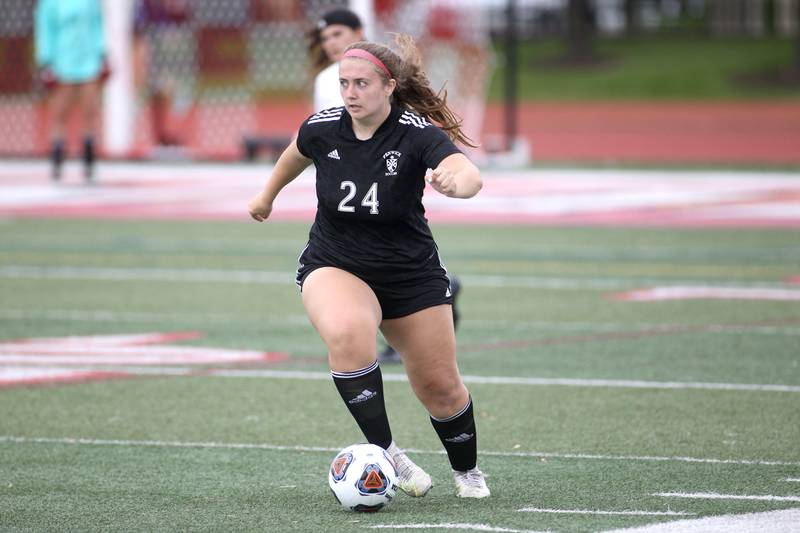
{"x":363,"y":478}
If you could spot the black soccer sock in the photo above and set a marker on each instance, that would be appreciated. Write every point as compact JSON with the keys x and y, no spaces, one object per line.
{"x":88,"y":156}
{"x":57,"y":157}
{"x":458,"y":436}
{"x":362,"y":392}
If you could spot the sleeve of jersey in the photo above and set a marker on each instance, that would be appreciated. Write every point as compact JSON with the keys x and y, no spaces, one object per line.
{"x":434,"y":146}
{"x":302,"y":140}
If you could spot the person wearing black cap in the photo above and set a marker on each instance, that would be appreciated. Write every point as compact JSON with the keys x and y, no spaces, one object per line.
{"x":334,"y":32}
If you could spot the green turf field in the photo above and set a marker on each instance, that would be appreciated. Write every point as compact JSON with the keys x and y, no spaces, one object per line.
{"x":587,"y":406}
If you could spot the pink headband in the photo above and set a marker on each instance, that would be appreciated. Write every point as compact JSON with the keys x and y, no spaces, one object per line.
{"x":363,"y":54}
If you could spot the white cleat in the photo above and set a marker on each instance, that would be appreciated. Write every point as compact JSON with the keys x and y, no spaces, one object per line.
{"x":471,"y":484}
{"x":412,"y":479}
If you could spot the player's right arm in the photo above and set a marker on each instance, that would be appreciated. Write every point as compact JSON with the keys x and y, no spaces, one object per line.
{"x":289,"y":165}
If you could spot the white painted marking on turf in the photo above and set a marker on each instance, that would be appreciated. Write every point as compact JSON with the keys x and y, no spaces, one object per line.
{"x":685,"y":197}
{"x":599,"y":512}
{"x":657,"y":294}
{"x":499,"y":380}
{"x":482,"y":380}
{"x":301,"y":320}
{"x":663,"y":327}
{"x":603,"y":513}
{"x":784,"y":521}
{"x":277,"y":447}
{"x":793,"y":479}
{"x":267,"y":277}
{"x":650,"y":458}
{"x":102,"y":315}
{"x":165,"y":444}
{"x":148,"y":274}
{"x":465,"y":527}
{"x":11,"y":376}
{"x":629,"y":384}
{"x":716,"y":496}
{"x":137,"y":349}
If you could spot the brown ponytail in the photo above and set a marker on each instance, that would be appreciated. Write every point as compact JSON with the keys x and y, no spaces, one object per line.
{"x":413,"y":89}
{"x":318,"y":59}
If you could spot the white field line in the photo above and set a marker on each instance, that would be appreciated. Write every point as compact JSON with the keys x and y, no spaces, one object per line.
{"x":460,"y":527}
{"x":793,"y":479}
{"x":480,"y":380}
{"x":101,"y":315}
{"x":644,"y":327}
{"x":784,"y":521}
{"x":301,"y":320}
{"x":609,"y":513}
{"x":327,"y":449}
{"x":715,"y":496}
{"x":269,"y":277}
{"x":660,"y":294}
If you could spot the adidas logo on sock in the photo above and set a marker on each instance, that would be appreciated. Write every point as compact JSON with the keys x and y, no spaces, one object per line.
{"x":334,"y":154}
{"x":365,"y":395}
{"x":464,"y":437}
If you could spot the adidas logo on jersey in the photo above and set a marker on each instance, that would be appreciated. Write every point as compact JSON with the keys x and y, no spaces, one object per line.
{"x":334,"y":154}
{"x":365,"y":395}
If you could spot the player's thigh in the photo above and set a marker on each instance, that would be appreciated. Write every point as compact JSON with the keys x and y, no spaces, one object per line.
{"x":426,"y":341}
{"x":61,"y":99}
{"x":345,"y":311}
{"x":89,"y":97}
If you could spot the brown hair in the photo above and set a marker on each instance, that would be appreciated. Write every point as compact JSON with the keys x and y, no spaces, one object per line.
{"x":318,"y":59}
{"x":413,"y":90}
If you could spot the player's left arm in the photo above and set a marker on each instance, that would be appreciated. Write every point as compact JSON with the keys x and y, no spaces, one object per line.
{"x":456,"y":176}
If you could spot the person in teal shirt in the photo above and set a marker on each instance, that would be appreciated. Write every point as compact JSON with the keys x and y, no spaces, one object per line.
{"x":71,"y":57}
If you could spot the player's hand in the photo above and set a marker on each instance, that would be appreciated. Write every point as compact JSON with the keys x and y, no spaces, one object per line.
{"x":48,"y":78}
{"x":260,"y":207}
{"x":443,"y":180}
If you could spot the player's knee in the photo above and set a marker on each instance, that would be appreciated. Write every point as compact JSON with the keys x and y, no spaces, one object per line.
{"x":444,"y":396}
{"x":349,"y":337}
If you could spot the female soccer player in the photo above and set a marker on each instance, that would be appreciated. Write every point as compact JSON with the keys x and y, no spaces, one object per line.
{"x":335,"y":31}
{"x":371,"y":262}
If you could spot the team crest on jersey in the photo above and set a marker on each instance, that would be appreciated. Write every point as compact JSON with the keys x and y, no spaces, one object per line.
{"x":392,"y":158}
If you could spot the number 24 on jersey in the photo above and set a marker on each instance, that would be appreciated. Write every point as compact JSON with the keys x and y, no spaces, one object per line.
{"x":370,"y":199}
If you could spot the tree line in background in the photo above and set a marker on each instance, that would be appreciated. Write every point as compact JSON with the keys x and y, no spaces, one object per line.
{"x":717,"y":17}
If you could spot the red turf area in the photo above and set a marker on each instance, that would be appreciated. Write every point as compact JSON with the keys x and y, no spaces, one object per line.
{"x":751,"y":133}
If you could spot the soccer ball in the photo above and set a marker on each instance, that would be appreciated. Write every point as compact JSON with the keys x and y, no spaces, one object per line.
{"x":362,"y":478}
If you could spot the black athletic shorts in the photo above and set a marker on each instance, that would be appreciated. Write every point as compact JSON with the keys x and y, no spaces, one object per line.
{"x":398,"y":296}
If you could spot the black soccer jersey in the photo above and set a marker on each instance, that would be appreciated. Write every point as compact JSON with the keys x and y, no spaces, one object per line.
{"x":369,"y":193}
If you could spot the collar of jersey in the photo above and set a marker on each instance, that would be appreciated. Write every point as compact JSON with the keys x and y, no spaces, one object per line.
{"x":346,"y":125}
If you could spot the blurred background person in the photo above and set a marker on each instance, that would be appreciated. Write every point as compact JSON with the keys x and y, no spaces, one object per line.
{"x":163,"y":45}
{"x":71,"y":57}
{"x":335,"y":31}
